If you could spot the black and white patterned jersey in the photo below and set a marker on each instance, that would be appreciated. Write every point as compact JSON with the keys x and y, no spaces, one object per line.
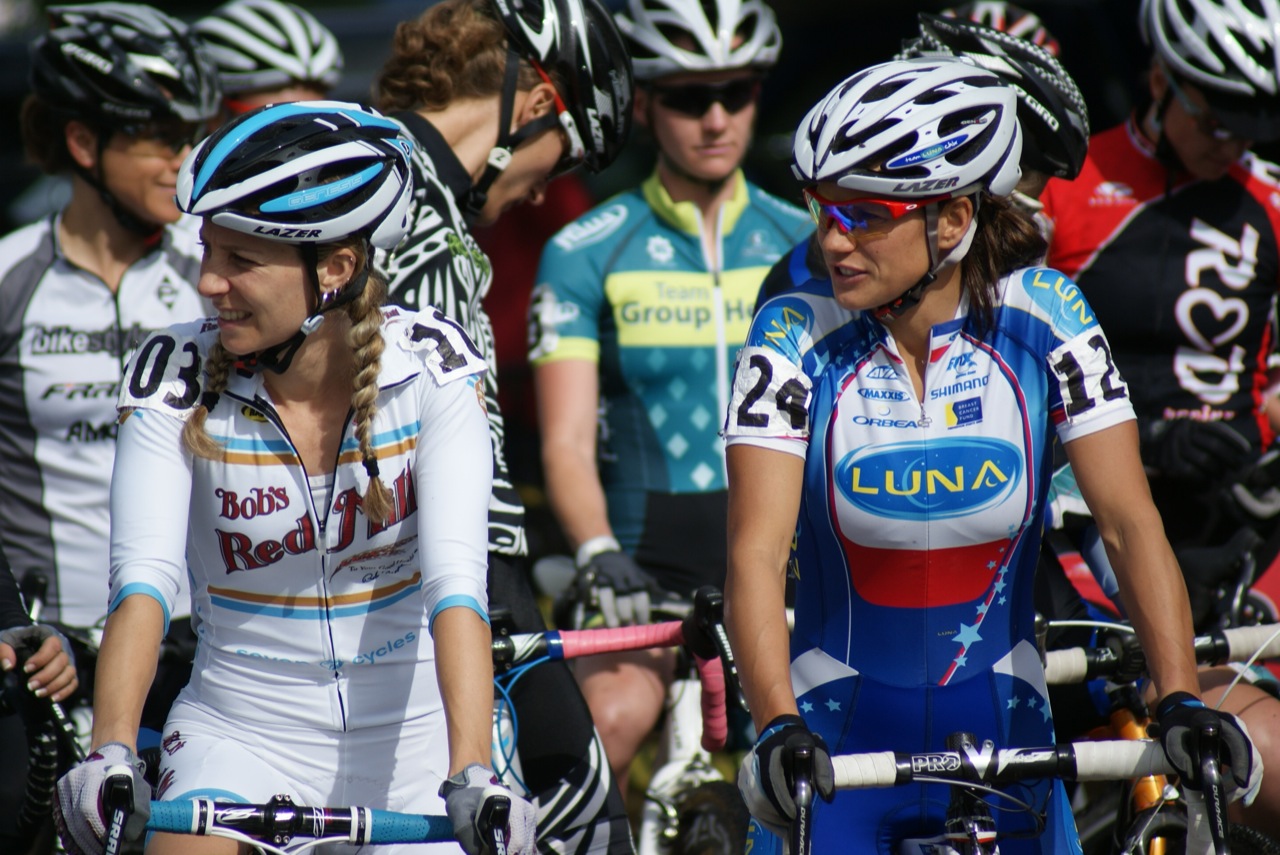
{"x":440,"y":264}
{"x":64,"y":340}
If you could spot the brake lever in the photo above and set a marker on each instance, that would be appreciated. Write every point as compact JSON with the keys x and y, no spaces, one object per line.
{"x":1212,"y":787}
{"x":708,"y":606}
{"x":492,"y":821}
{"x":802,"y":795}
{"x":117,"y":797}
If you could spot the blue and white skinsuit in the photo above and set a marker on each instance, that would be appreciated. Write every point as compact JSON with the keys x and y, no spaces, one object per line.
{"x":313,"y":675}
{"x":919,"y":529}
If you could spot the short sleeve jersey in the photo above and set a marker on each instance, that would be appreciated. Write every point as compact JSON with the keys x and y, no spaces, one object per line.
{"x":308,"y":612}
{"x":1182,"y":273}
{"x":920,"y":523}
{"x":628,"y":286}
{"x":64,"y":340}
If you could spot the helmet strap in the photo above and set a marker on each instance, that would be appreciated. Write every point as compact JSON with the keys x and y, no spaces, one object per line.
{"x":278,"y":358}
{"x":909,"y":298}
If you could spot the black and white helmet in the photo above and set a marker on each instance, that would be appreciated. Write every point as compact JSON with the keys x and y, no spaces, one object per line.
{"x":1230,"y":48}
{"x":673,"y":36}
{"x":123,"y":64}
{"x":310,"y":172}
{"x":914,"y":129}
{"x":267,"y":44}
{"x":578,"y":41}
{"x":1051,"y":110}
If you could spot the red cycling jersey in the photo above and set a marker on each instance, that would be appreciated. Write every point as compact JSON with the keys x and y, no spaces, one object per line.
{"x":1181,"y":273}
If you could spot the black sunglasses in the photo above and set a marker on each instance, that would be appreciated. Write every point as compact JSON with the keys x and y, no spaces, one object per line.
{"x":695,"y":99}
{"x":173,"y":134}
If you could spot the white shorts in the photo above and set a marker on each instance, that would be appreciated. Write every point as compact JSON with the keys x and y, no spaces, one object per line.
{"x":395,"y":767}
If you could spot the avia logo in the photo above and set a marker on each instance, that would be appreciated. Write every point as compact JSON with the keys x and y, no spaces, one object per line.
{"x":1112,"y":193}
{"x":932,"y":152}
{"x":938,"y":480}
{"x":882,"y":372}
{"x":592,"y":229}
{"x":883,"y":394}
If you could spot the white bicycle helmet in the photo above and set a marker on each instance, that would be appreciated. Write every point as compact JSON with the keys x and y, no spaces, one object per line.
{"x":673,"y":36}
{"x":310,"y":172}
{"x":267,"y":44}
{"x":914,"y":129}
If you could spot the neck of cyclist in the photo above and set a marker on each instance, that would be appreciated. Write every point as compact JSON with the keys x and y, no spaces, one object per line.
{"x":470,"y":127}
{"x":94,"y":239}
{"x":322,"y":368}
{"x":938,"y":302}
{"x":707,"y":194}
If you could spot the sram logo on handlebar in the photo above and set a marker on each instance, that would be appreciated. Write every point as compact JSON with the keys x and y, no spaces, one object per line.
{"x":925,"y":763}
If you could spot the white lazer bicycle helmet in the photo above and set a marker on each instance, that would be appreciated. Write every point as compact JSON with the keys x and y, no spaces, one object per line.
{"x":673,"y":36}
{"x":914,"y":129}
{"x":267,"y":44}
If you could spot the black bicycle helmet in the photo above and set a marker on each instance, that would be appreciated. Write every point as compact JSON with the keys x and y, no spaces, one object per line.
{"x":578,"y":41}
{"x":120,"y":64}
{"x":1051,"y":110}
{"x":267,"y":44}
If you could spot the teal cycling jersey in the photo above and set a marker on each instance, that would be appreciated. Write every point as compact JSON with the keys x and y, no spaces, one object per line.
{"x":630,"y":287}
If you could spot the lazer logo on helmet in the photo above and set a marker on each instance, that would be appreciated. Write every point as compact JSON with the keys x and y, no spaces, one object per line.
{"x":282,"y":232}
{"x":933,"y":152}
{"x":929,"y":185}
{"x":934,"y":480}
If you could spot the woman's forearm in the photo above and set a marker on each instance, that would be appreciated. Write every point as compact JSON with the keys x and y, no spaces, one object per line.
{"x":126,"y":667}
{"x":464,"y":669}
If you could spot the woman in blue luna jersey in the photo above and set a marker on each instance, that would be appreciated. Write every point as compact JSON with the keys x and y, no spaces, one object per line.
{"x":895,"y":420}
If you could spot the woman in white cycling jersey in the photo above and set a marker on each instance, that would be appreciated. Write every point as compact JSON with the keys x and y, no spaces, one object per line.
{"x":889,"y":440}
{"x":320,"y":469}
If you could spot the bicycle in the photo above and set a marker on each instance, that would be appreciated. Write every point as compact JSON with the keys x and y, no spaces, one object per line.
{"x":689,"y":807}
{"x":1150,"y":816}
{"x":971,"y":768}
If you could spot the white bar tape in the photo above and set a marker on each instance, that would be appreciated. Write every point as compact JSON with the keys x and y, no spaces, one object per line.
{"x":854,"y":771}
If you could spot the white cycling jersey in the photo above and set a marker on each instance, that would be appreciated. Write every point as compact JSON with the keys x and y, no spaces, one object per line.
{"x":307,"y":615}
{"x":64,"y":340}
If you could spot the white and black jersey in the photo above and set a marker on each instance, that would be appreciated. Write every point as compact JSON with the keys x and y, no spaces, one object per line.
{"x":65,"y":338}
{"x":440,"y":264}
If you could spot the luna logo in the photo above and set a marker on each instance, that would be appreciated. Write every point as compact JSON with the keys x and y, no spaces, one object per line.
{"x":938,"y":480}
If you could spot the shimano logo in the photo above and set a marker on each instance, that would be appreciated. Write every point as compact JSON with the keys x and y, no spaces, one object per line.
{"x":99,"y":63}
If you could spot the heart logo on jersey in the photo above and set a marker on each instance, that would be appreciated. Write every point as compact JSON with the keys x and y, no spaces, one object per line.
{"x":1230,"y":313}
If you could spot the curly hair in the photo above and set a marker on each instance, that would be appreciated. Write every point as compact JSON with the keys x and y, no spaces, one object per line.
{"x":367,"y":345}
{"x":456,"y":50}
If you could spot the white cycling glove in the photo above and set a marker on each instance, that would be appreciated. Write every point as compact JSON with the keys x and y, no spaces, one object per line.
{"x":79,"y":812}
{"x":465,"y":795}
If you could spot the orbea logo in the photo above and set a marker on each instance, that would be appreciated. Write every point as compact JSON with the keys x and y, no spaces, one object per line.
{"x":938,"y":480}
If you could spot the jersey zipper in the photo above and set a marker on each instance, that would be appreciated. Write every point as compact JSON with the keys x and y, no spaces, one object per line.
{"x":722,"y":337}
{"x":269,"y":412}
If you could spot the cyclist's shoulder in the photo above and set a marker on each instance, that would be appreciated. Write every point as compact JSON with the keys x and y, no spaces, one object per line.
{"x":429,"y":340}
{"x":33,"y":242}
{"x":1046,"y":296}
{"x":804,"y":318}
{"x":164,"y":371}
{"x":592,"y":234}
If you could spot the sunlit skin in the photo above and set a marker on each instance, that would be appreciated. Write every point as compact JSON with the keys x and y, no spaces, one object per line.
{"x":707,"y":148}
{"x":1201,"y":155}
{"x":257,"y":287}
{"x":142,"y":174}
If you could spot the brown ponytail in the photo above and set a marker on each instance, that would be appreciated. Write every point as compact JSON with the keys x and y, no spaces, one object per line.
{"x":1006,"y":239}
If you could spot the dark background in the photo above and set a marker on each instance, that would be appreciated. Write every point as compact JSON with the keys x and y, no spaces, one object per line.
{"x":823,"y":41}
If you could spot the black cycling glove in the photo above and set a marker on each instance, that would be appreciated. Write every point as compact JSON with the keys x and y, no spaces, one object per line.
{"x":766,"y":778}
{"x":616,"y":585}
{"x":1182,"y":718}
{"x":1192,"y":450}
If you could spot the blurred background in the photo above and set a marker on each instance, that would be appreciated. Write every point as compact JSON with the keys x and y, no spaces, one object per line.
{"x":823,"y":41}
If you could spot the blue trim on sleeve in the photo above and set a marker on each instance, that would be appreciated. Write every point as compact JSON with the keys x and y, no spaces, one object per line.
{"x":145,"y":589}
{"x":452,"y":602}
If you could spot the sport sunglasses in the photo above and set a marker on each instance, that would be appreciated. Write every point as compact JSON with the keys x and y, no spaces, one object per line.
{"x":857,"y":215}
{"x":695,"y":99}
{"x":1208,"y":124}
